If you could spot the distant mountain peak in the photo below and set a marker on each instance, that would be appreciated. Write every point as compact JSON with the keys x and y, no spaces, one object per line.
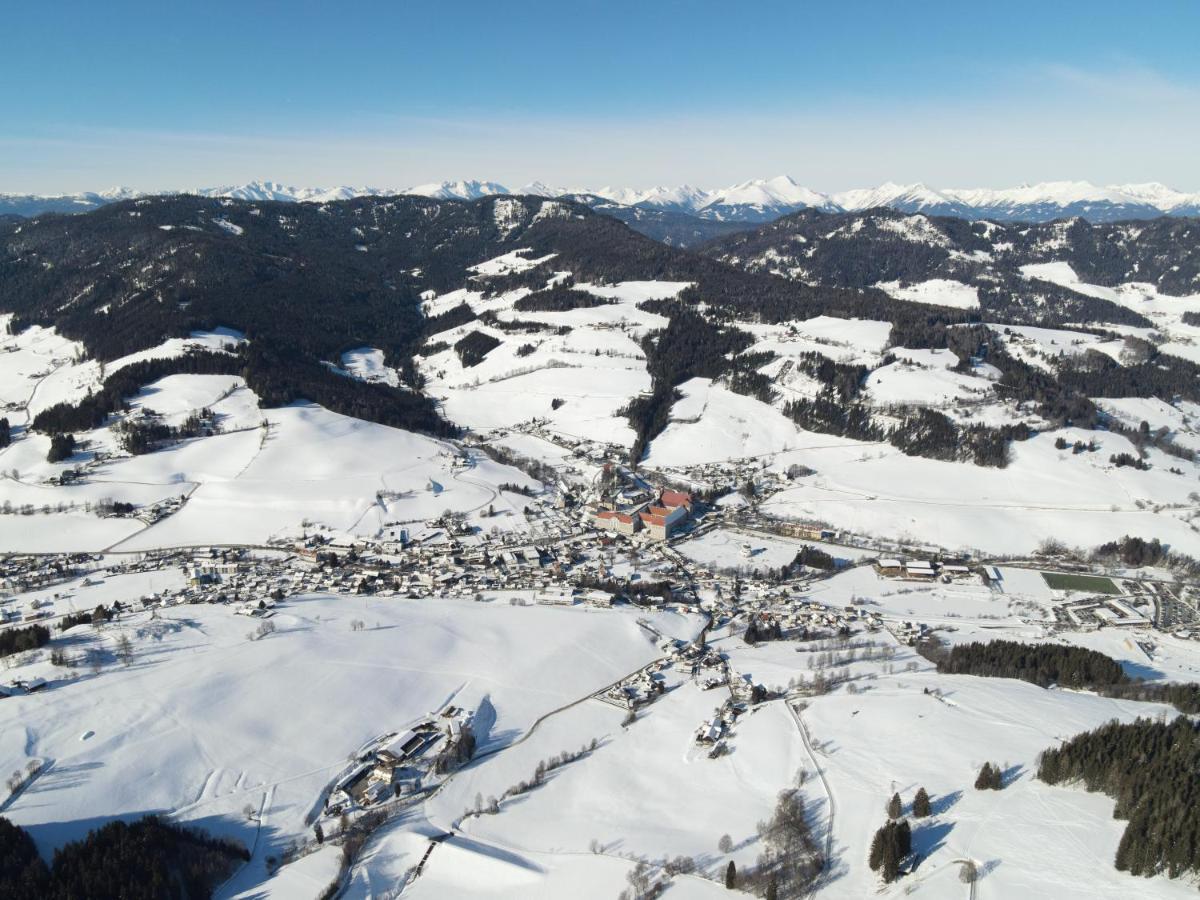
{"x":458,"y":190}
{"x":752,"y":201}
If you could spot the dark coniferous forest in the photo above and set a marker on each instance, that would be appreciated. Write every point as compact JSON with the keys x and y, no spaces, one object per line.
{"x":144,"y":860}
{"x":1040,"y":664}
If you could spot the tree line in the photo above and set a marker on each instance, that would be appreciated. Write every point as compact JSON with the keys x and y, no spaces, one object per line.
{"x":93,"y":410}
{"x":1040,"y":664}
{"x":1073,"y":667}
{"x":559,"y":299}
{"x":17,"y":640}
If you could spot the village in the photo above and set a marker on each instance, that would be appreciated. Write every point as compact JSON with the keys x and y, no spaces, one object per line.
{"x":626,"y":538}
{"x":619,"y":541}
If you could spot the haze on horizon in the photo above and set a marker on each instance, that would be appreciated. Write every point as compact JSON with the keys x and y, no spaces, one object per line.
{"x":159,"y":98}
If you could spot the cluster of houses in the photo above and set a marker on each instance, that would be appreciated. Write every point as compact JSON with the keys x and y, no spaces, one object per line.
{"x":398,"y":764}
{"x":156,"y":512}
{"x":28,"y":573}
{"x":660,"y":518}
{"x":643,"y":687}
{"x":713,"y":732}
{"x":909,"y":632}
{"x":797,"y":614}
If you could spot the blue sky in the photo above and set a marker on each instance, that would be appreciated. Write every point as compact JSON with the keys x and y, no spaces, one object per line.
{"x":177,"y":94}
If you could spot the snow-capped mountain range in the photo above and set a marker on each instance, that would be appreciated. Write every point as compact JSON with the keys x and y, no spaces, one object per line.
{"x":755,"y":201}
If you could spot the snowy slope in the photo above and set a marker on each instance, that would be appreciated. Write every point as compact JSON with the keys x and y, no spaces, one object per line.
{"x":206,"y":721}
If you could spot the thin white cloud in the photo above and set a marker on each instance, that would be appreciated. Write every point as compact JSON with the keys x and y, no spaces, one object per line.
{"x":1126,"y":84}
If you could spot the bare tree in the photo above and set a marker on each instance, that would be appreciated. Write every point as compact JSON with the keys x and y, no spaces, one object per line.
{"x":265,"y":627}
{"x":124,"y":649}
{"x":640,"y":879}
{"x":725,"y":844}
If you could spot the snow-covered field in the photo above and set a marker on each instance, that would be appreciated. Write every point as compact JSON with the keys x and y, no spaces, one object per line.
{"x":1042,"y":493}
{"x":367,"y":364}
{"x":39,"y":367}
{"x":925,"y":377}
{"x":317,"y":466}
{"x":250,"y":483}
{"x":1030,"y":840}
{"x":647,"y":791}
{"x":725,"y":548}
{"x":577,"y":373}
{"x":1165,"y":311}
{"x":205,"y":721}
{"x":937,"y":291}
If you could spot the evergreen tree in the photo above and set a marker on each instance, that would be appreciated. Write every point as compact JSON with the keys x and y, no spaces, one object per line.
{"x":17,"y":640}
{"x":895,"y":807}
{"x":875,"y":857}
{"x":991,"y":778}
{"x":984,"y":780}
{"x":890,"y":846}
{"x":921,"y":807}
{"x":1076,"y":667}
{"x":62,"y":446}
{"x":731,"y":875}
{"x":890,"y":870}
{"x":23,"y":874}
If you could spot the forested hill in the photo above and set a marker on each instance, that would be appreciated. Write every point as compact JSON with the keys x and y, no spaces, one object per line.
{"x":678,"y":229}
{"x":307,"y":282}
{"x":862,"y":249}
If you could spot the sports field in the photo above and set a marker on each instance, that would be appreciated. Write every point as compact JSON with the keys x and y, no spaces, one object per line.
{"x":1062,"y":581}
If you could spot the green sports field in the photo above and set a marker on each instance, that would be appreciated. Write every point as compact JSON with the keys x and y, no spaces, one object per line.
{"x":1097,"y":584}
